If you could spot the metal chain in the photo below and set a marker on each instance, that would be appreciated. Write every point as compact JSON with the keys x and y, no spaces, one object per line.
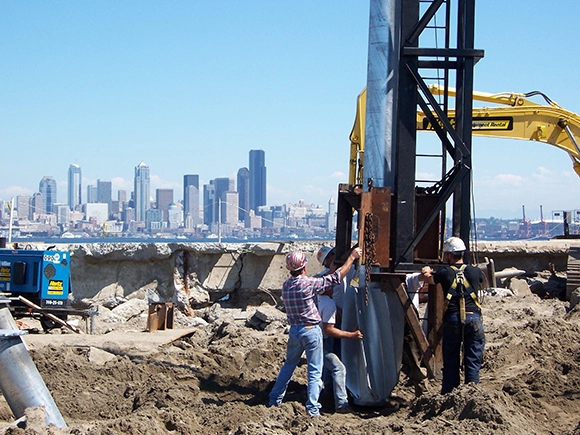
{"x":369,"y":249}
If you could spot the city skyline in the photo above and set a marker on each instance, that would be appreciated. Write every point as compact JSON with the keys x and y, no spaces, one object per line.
{"x":145,"y":212}
{"x":142,"y":215}
{"x":119,"y":185}
{"x":103,"y":191}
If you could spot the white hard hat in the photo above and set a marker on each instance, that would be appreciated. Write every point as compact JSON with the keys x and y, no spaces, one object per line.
{"x":454,"y":244}
{"x":324,"y":252}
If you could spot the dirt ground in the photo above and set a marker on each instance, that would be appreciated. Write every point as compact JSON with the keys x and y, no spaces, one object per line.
{"x":215,"y":379}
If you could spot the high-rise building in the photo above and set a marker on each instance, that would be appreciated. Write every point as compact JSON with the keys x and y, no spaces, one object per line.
{"x":243,"y":193}
{"x":23,"y":203}
{"x":141,"y":191}
{"x":208,"y":202}
{"x":213,"y":194}
{"x":122,"y":199}
{"x":91,"y":194}
{"x":164,"y":197}
{"x":153,"y":219}
{"x":229,"y":212}
{"x":105,"y":193}
{"x":175,"y":216}
{"x":128,"y":215}
{"x":257,"y":179}
{"x":36,"y":205}
{"x":47,"y":188}
{"x":331,"y":216}
{"x":222,"y":185}
{"x":74,"y":186}
{"x":62,"y":212}
{"x":191,"y":198}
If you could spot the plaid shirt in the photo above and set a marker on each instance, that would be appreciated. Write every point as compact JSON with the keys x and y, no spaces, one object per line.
{"x":299,"y":294}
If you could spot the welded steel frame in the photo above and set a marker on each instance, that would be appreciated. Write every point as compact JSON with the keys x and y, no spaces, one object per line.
{"x":405,"y":234}
{"x":455,"y":139}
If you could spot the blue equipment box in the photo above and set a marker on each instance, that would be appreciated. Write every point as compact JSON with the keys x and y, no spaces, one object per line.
{"x":42,"y":276}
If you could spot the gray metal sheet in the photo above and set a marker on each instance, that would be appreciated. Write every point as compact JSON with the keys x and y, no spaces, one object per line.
{"x":373,"y":363}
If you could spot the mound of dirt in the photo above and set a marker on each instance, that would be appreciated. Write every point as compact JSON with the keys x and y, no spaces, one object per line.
{"x":216,"y":379}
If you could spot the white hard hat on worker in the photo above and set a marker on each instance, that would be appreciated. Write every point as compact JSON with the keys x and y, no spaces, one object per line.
{"x":454,"y":245}
{"x":323,"y":254}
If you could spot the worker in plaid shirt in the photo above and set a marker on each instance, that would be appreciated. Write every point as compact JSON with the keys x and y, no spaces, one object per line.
{"x":299,"y":294}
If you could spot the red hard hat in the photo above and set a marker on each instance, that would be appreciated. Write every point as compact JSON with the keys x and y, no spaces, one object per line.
{"x":296,"y":260}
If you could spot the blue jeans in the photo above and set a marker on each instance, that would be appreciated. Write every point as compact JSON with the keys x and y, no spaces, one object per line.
{"x":335,"y":373}
{"x":472,"y":335}
{"x":302,"y":338}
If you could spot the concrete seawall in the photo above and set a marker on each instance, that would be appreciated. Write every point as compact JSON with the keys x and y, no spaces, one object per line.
{"x":205,"y":272}
{"x":201,"y":272}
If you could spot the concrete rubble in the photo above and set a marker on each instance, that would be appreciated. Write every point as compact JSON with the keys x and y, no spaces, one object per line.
{"x":122,"y":279}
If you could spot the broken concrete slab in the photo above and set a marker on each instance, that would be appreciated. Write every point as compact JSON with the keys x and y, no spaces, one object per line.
{"x":100,"y":357}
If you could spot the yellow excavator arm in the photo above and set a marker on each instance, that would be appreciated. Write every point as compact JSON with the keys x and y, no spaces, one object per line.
{"x":515,"y":117}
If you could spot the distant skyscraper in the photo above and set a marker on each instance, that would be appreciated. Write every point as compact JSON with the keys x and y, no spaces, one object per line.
{"x":153,"y":219}
{"x":213,"y":193}
{"x":62,"y":212}
{"x":36,"y":204}
{"x":222,"y":185}
{"x":243,"y":193}
{"x":229,"y":212}
{"x":208,"y":202}
{"x":122,"y":198}
{"x":128,"y":215}
{"x":141,"y":191}
{"x":175,"y":215}
{"x":92,"y":194}
{"x":23,"y":203}
{"x":164,"y":197}
{"x":331,"y":216}
{"x":257,"y":179}
{"x":191,"y":197}
{"x":47,"y":188}
{"x":105,"y":193}
{"x":74,"y":186}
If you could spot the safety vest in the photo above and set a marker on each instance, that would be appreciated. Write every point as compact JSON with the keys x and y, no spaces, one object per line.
{"x":460,"y":287}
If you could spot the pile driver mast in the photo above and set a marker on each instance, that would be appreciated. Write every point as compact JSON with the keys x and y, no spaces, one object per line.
{"x":401,"y":225}
{"x":413,"y":228}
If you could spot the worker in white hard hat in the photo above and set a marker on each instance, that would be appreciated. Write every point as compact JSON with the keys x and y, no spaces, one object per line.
{"x":414,"y":284}
{"x":463,"y":324}
{"x":334,"y":372}
{"x":326,"y":257}
{"x":299,"y":294}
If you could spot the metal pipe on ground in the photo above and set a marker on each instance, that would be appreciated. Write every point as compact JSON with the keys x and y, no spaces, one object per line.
{"x":20,"y":381}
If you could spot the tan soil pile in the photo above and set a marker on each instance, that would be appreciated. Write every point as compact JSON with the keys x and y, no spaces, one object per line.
{"x":216,"y":381}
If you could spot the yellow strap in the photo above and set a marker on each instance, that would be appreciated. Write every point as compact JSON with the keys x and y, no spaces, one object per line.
{"x":466,"y":285}
{"x":446,"y":303}
{"x":475,"y":299}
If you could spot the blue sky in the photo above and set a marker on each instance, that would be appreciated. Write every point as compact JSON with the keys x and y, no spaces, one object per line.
{"x":192,"y":86}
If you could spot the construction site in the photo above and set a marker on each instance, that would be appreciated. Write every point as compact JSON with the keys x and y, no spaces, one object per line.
{"x":189,"y":338}
{"x":209,"y":369}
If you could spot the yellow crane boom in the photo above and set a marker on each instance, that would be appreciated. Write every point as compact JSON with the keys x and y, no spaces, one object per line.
{"x":515,"y":117}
